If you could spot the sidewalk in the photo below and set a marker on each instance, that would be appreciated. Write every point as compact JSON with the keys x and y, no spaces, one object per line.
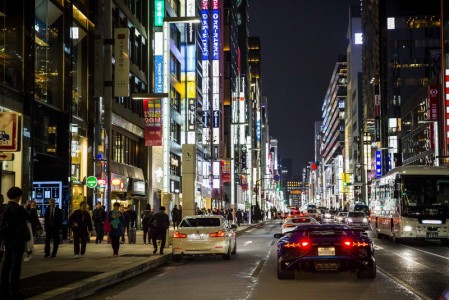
{"x":64,"y":277}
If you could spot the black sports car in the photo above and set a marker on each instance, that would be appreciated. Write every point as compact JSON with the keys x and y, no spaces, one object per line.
{"x":325,"y":247}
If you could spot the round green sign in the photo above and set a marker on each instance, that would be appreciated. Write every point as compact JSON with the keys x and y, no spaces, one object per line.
{"x":91,"y":182}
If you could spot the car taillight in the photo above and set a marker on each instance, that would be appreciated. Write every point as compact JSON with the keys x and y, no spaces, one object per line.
{"x":302,"y":244}
{"x":350,"y":243}
{"x":289,"y":225}
{"x":179,"y":235}
{"x":219,"y":233}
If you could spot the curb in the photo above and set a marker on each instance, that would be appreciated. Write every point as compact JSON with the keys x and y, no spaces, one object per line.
{"x":92,"y":284}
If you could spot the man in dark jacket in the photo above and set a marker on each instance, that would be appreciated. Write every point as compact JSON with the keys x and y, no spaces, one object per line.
{"x":53,"y":224}
{"x":162,"y":222}
{"x":99,"y":216}
{"x":81,"y":224}
{"x":16,"y":236}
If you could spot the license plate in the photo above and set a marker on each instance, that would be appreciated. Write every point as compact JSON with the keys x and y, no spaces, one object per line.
{"x":432,"y":235}
{"x":197,"y":237}
{"x":326,"y":251}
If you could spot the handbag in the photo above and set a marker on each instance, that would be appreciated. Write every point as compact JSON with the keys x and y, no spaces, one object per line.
{"x":107,"y":226}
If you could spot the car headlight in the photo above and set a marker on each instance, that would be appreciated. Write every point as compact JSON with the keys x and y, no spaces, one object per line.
{"x":407,"y":228}
{"x":365,"y":220}
{"x":349,"y":220}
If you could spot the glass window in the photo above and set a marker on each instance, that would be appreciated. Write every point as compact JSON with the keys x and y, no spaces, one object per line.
{"x":11,"y":49}
{"x":48,"y":29}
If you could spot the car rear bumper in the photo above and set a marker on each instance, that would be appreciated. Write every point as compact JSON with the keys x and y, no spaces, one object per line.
{"x":199,"y":248}
{"x":326,"y":263}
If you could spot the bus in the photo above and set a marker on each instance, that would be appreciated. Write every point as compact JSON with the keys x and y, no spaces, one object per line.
{"x":411,"y":202}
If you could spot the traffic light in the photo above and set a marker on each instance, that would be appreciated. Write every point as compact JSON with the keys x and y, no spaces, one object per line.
{"x":313,"y":166}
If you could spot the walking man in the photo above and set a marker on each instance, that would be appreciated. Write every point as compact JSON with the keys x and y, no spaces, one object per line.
{"x":99,"y":215}
{"x":16,"y":236}
{"x":53,"y":224}
{"x":81,"y":224}
{"x":162,"y":223}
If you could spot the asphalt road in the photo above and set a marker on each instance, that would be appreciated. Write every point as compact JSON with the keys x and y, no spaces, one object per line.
{"x":418,"y":270}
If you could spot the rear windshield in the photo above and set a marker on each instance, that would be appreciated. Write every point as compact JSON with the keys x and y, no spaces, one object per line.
{"x":356,"y":214}
{"x":200,"y":222}
{"x":302,"y":220}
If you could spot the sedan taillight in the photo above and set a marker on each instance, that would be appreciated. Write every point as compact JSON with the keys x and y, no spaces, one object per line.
{"x":219,"y":233}
{"x":178,"y":235}
{"x":289,"y":225}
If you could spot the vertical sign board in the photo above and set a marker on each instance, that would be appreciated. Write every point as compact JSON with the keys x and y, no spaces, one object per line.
{"x":153,"y":122}
{"x":215,"y":51}
{"x":121,"y":55}
{"x":378,"y":164}
{"x":433,"y":102}
{"x":190,"y":53}
{"x":205,"y":65}
{"x":9,"y":131}
{"x":159,"y":12}
{"x":158,"y":62}
{"x":98,"y":64}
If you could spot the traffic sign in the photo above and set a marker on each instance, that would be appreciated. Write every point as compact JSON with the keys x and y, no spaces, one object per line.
{"x":276,"y":177}
{"x":6,"y":156}
{"x":91,"y":182}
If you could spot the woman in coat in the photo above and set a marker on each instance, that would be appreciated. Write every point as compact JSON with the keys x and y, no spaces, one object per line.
{"x":117,"y":221}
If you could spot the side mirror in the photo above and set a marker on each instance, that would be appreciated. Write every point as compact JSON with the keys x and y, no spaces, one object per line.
{"x":278,"y":235}
{"x":233,"y":226}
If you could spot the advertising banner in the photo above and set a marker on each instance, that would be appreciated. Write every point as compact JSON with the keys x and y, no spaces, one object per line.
{"x":433,"y":102}
{"x":153,"y":122}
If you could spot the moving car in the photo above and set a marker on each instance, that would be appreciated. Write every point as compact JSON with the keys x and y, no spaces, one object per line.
{"x":291,"y":223}
{"x":325,"y":247}
{"x":341,"y":217}
{"x":357,"y":219}
{"x":204,"y":234}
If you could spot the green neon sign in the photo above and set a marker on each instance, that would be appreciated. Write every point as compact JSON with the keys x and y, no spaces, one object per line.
{"x":159,"y":12}
{"x":91,"y":182}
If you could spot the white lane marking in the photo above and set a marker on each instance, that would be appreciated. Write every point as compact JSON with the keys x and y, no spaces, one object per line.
{"x":249,"y":230}
{"x":430,"y":253}
{"x":405,"y":285}
{"x":247,"y":243}
{"x":378,"y":247}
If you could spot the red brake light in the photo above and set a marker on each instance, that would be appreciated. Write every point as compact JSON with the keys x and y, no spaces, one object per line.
{"x":179,"y":235}
{"x":289,"y":225}
{"x":219,"y":233}
{"x":347,"y":243}
{"x":304,"y":244}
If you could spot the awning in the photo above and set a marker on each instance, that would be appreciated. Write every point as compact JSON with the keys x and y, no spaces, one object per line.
{"x":126,"y":170}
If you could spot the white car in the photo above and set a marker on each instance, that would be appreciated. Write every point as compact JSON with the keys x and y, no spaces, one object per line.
{"x":204,"y":234}
{"x":357,"y":219}
{"x":291,"y":223}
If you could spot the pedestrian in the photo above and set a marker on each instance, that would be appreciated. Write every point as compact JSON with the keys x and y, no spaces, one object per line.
{"x":36,"y":225}
{"x":117,"y":221}
{"x":81,"y":225}
{"x":175,"y":217}
{"x":230,"y":217}
{"x":145,"y":217}
{"x":131,"y":218}
{"x":53,"y":224}
{"x":239,"y":217}
{"x":162,"y":223}
{"x":2,"y":210}
{"x":122,"y":210}
{"x":99,"y":215}
{"x":16,"y":236}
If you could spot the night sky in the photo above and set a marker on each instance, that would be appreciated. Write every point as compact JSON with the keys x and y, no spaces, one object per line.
{"x":300,"y":43}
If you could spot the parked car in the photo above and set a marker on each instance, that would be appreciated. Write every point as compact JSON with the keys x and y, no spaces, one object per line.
{"x":204,"y":234}
{"x":325,"y":247}
{"x":357,"y":219}
{"x":341,"y":217}
{"x":291,"y":223}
